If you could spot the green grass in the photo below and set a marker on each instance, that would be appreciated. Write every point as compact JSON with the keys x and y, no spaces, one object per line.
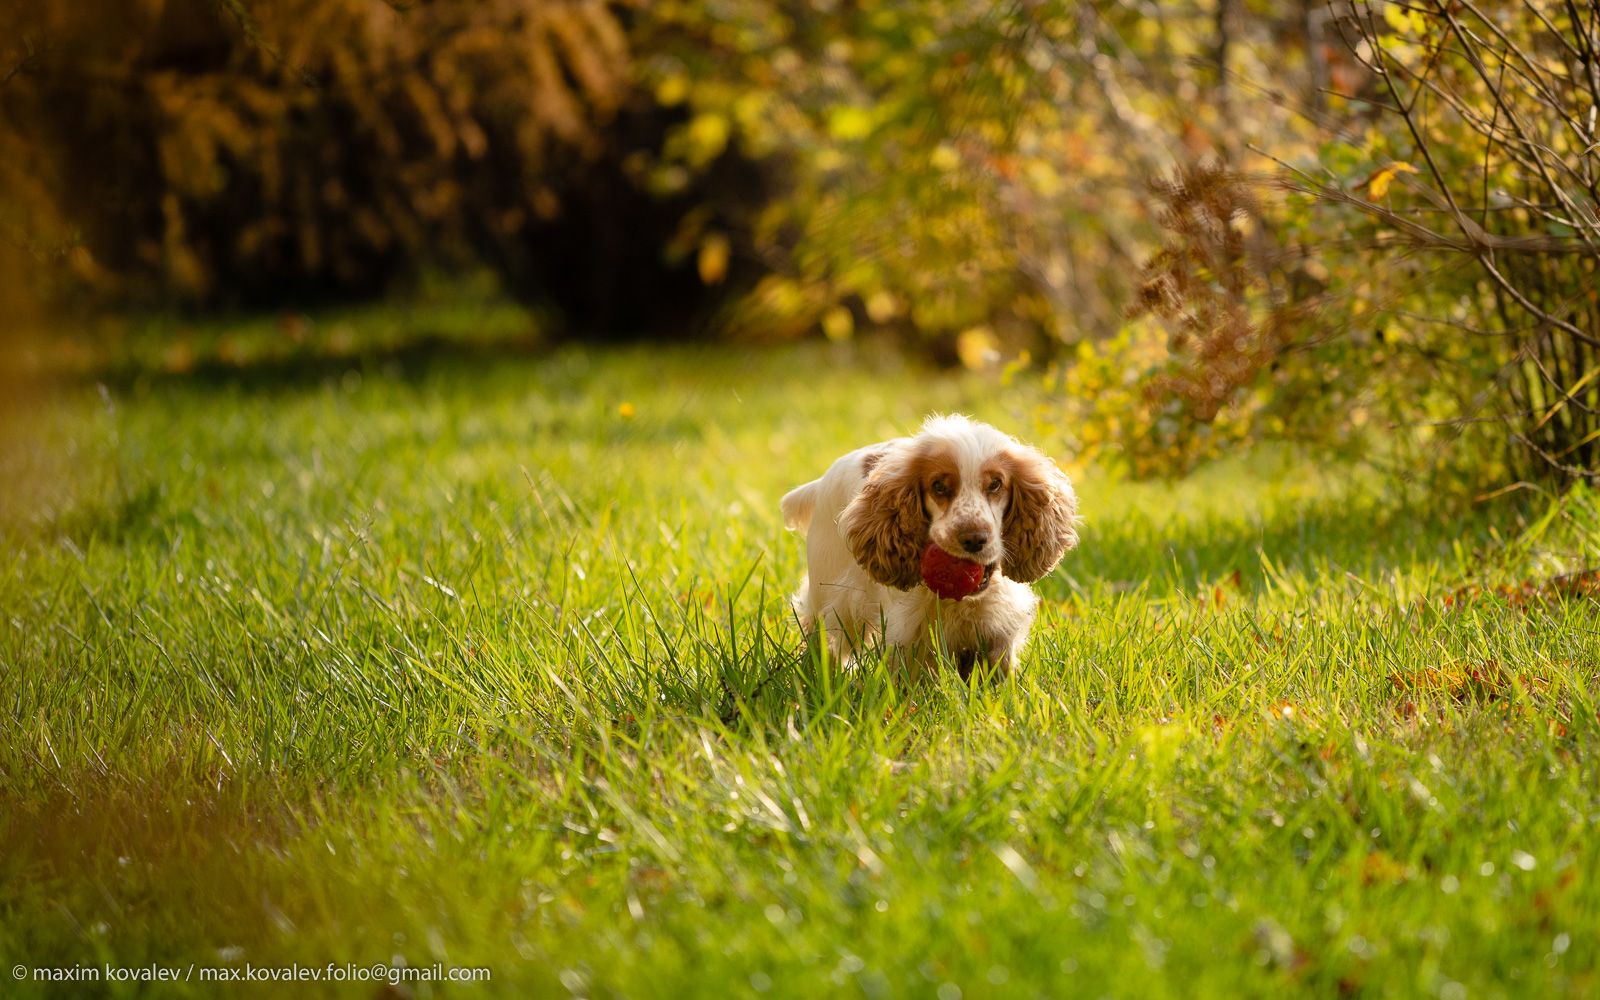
{"x":456,"y":663}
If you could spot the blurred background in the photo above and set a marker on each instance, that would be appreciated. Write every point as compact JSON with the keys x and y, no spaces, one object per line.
{"x":1193,"y":225}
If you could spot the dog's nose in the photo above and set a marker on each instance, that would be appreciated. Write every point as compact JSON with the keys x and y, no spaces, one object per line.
{"x":974,"y":541}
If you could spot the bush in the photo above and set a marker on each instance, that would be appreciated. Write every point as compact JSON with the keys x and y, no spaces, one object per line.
{"x":214,"y":153}
{"x":973,"y":177}
{"x":1431,"y":270}
{"x":1480,"y":222}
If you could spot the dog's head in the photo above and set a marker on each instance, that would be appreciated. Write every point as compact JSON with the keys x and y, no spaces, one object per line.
{"x":971,"y":490}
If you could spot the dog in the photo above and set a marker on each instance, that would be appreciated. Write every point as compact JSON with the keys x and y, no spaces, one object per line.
{"x":974,"y":491}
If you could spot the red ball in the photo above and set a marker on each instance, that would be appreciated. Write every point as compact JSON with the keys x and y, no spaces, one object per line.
{"x":949,"y":577}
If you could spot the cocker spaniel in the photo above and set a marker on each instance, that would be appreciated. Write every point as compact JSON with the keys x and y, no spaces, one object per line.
{"x":976,"y":493}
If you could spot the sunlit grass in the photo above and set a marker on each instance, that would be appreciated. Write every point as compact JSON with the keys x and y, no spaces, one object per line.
{"x":491,"y":664}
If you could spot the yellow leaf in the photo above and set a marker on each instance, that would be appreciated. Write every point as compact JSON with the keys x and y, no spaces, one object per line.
{"x":750,"y":110}
{"x":838,"y":324}
{"x":977,"y":347}
{"x":1015,"y":366}
{"x":1378,"y":185}
{"x":1405,"y":22}
{"x":672,"y":89}
{"x":781,"y":295}
{"x":829,"y":159}
{"x":713,"y":259}
{"x":1044,"y":178}
{"x":848,"y":122}
{"x":882,"y":306}
{"x":708,"y":137}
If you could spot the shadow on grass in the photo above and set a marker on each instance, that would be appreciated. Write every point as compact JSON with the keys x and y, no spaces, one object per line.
{"x":407,"y":360}
{"x":1371,"y":539}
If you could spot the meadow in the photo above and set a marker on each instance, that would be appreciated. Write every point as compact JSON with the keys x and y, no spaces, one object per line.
{"x":487,"y":662}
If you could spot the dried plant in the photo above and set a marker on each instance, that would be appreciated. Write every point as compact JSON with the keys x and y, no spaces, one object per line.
{"x":1208,"y":285}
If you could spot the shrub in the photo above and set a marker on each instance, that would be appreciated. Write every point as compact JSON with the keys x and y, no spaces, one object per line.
{"x":223,"y":152}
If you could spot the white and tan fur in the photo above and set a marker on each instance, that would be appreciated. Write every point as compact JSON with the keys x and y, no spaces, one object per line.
{"x":974,"y":491}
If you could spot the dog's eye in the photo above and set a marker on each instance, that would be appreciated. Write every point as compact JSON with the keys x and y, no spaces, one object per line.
{"x":939,"y":488}
{"x":995,"y":484}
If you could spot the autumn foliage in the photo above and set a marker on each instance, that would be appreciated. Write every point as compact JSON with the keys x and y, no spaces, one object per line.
{"x":223,"y":151}
{"x":1203,"y":222}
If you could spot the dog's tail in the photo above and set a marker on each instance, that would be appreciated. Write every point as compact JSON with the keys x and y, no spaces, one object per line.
{"x":798,"y":504}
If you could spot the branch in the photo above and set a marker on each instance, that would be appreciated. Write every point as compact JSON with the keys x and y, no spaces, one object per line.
{"x":1473,"y":238}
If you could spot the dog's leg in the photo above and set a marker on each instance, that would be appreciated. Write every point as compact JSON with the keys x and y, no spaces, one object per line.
{"x":988,"y":660}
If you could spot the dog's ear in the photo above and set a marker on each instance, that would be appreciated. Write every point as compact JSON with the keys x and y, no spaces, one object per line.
{"x":1041,"y":521}
{"x":885,"y":525}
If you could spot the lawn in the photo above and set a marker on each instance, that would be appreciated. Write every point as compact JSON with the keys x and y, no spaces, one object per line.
{"x":486,"y":662}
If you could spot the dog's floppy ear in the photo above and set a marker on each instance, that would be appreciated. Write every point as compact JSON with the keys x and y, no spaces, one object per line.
{"x":1041,"y":521}
{"x":885,"y":525}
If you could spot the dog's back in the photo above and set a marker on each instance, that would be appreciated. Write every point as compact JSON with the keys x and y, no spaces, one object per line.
{"x":836,"y":590}
{"x":797,"y":505}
